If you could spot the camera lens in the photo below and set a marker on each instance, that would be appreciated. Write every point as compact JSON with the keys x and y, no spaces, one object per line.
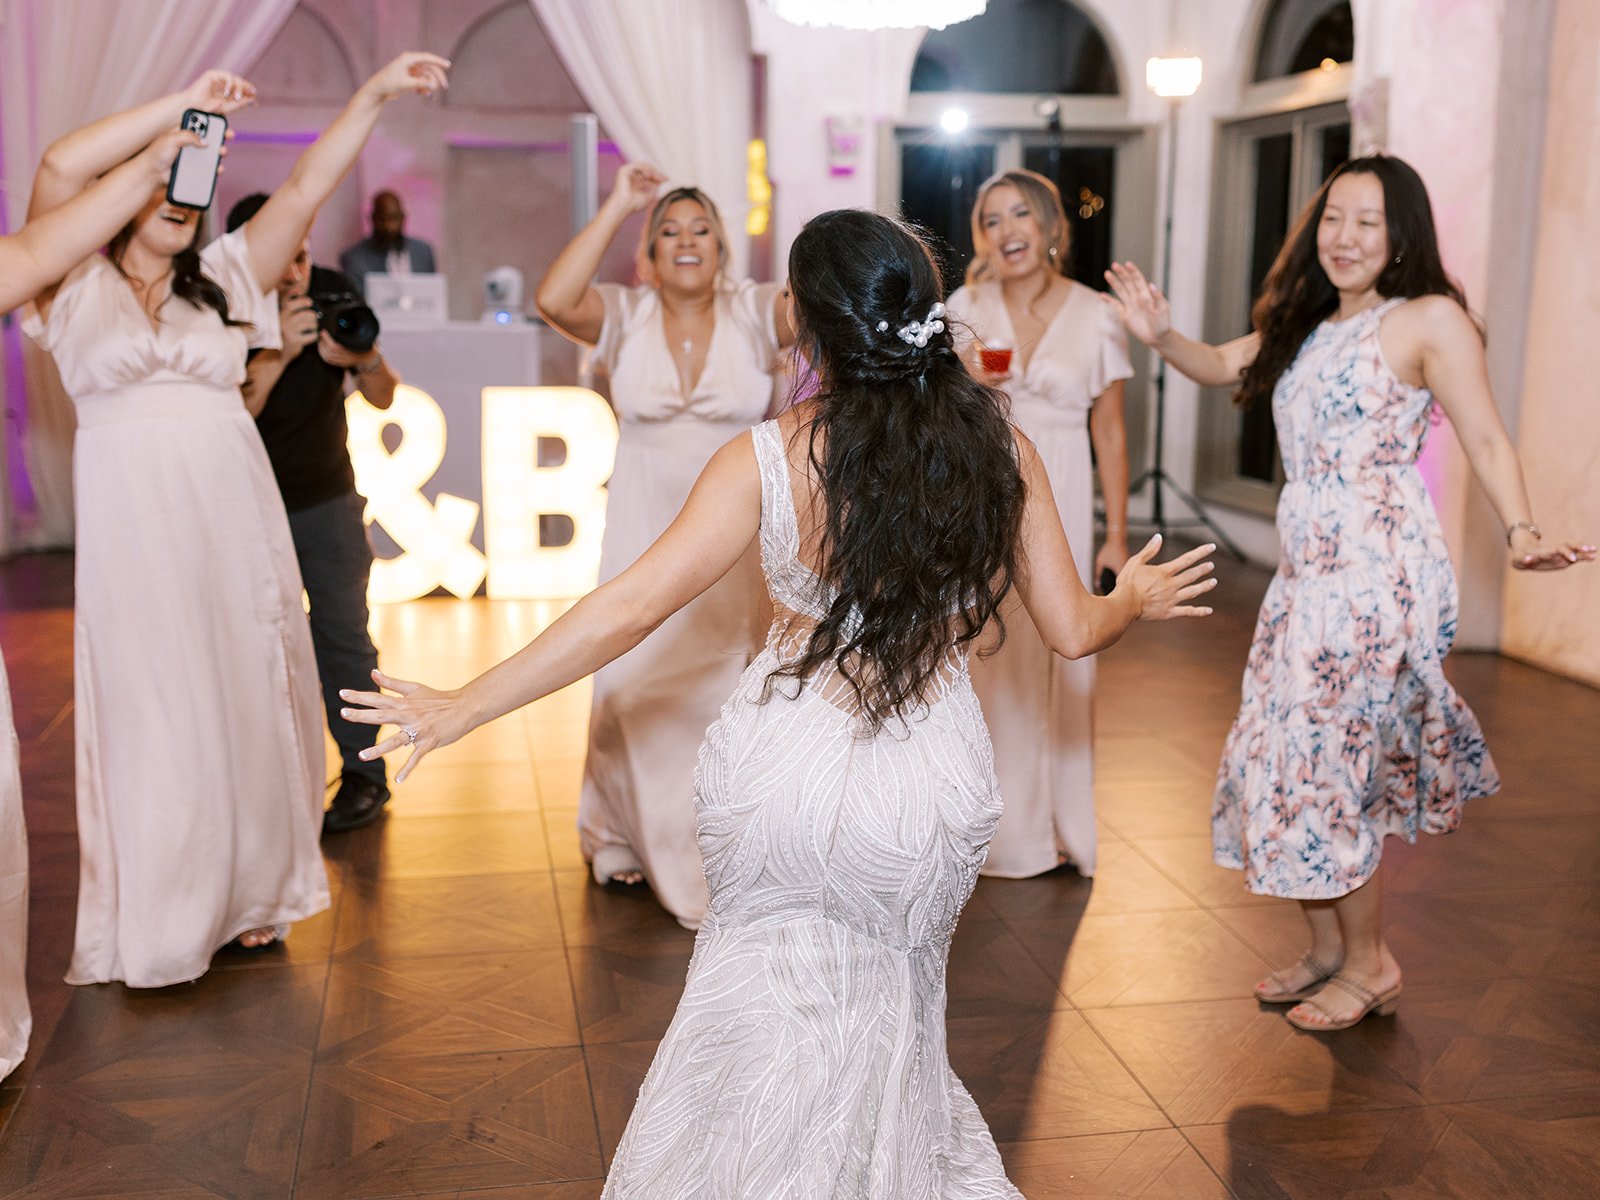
{"x":348,"y":321}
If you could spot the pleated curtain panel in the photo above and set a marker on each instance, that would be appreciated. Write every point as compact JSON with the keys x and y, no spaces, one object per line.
{"x":64,"y":63}
{"x":670,"y":81}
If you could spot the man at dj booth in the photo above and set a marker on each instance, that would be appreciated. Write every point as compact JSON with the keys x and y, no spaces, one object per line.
{"x":297,"y":396}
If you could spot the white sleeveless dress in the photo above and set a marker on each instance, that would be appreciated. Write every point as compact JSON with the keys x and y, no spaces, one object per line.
{"x":807,"y":1058}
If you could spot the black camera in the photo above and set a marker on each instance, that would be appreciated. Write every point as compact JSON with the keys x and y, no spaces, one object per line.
{"x":345,"y":317}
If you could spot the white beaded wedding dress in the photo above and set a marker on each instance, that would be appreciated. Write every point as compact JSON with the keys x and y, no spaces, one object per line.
{"x":807,"y":1058}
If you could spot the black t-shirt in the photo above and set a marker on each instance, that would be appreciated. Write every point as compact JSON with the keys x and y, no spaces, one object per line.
{"x":302,"y":422}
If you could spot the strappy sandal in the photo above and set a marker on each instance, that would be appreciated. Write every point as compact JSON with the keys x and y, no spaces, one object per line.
{"x":1383,"y":1004}
{"x":1320,"y":975}
{"x":238,"y":946}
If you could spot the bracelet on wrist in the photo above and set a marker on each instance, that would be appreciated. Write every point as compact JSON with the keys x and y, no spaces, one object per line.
{"x":1528,"y":525}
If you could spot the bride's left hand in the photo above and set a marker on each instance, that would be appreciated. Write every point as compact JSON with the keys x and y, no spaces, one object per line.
{"x":425,"y":717}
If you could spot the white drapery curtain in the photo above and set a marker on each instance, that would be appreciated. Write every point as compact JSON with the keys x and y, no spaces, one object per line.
{"x":64,"y":63}
{"x":670,"y":81}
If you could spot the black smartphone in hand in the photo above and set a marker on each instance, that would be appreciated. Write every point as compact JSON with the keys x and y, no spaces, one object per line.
{"x":1107,"y":582}
{"x":194,"y":174}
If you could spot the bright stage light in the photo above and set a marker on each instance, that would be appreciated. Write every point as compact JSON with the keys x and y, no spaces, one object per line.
{"x":1172,"y":78}
{"x":877,"y":14}
{"x":953,"y":120}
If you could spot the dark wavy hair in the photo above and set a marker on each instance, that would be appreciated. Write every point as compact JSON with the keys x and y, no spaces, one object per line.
{"x":1297,"y":295}
{"x":189,"y":280}
{"x":917,"y":461}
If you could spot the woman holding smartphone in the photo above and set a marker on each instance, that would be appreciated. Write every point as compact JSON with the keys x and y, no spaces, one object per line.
{"x":1063,"y":363}
{"x":34,"y":257}
{"x":199,"y":806}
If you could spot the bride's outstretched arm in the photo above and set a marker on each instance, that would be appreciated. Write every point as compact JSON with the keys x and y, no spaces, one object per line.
{"x":714,"y":529}
{"x":1072,"y":622}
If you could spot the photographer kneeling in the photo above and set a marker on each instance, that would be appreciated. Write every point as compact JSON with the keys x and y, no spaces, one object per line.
{"x":297,"y":398}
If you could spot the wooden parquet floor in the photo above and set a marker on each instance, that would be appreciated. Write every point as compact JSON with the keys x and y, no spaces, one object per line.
{"x":472,"y":1017}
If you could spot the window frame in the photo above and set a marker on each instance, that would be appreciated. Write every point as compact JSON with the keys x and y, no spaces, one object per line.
{"x":1302,"y":106}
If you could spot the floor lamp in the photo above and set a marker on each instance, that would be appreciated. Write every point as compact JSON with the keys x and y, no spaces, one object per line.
{"x":1173,"y":79}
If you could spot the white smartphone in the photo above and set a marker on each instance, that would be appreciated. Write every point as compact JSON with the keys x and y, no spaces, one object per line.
{"x":194,"y":174}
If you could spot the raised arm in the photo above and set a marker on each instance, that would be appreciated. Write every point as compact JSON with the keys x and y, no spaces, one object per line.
{"x":74,"y":161}
{"x":35,"y":258}
{"x":274,"y":234}
{"x":710,"y":534}
{"x":1072,"y":622}
{"x":566,"y":297}
{"x":1145,"y":311}
{"x":1441,"y":337}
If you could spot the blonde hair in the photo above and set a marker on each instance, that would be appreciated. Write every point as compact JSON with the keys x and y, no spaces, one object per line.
{"x":644,"y":260}
{"x":1044,"y":199}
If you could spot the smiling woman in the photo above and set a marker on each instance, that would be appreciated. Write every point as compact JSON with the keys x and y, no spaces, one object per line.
{"x":690,"y":355}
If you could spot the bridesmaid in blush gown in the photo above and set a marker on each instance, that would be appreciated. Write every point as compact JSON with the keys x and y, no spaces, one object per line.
{"x":690,"y":356}
{"x":198,"y":806}
{"x":31,"y":259}
{"x":1069,"y":358}
{"x":846,"y":795}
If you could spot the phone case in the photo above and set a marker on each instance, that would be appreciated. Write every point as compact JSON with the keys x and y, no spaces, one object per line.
{"x":194,"y":174}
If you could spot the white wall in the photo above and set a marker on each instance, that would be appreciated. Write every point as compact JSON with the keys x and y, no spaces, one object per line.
{"x":1554,"y":620}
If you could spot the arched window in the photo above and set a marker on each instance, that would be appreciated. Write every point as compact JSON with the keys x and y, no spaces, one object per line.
{"x":1019,"y":46}
{"x":1304,"y":35}
{"x":1292,"y":130}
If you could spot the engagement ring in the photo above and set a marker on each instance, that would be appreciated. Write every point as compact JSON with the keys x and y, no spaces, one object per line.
{"x":411,"y":734}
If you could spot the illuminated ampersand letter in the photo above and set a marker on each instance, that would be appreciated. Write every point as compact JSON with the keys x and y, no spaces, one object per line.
{"x":517,"y":491}
{"x":436,"y":539}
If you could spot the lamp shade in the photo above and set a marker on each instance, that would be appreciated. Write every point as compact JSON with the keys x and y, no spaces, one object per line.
{"x":1172,"y":77}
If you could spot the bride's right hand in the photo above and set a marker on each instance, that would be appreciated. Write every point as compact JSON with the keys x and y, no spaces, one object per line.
{"x":1138,"y":303}
{"x":636,"y":187}
{"x":1162,"y":590}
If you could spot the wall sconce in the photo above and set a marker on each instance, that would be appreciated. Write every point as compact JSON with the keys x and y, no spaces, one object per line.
{"x":844,"y":144}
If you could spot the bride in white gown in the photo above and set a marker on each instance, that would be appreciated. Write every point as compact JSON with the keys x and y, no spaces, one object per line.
{"x":846,"y":796}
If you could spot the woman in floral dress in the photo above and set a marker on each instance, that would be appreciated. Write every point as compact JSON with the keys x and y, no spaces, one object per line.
{"x":1348,"y":730}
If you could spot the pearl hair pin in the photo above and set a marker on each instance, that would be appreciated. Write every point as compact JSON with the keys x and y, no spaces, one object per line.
{"x":917,"y":333}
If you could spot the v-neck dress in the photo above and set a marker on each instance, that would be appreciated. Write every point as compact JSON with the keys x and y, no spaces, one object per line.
{"x":652,"y":706}
{"x":196,"y":704}
{"x":1040,"y":706}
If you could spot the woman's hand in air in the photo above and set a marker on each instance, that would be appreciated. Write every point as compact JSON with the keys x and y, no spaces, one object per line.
{"x":1138,"y":303}
{"x":414,"y":71}
{"x":1163,"y":590}
{"x":219,"y":92}
{"x":425,"y":718}
{"x":636,"y":187}
{"x":160,"y":154}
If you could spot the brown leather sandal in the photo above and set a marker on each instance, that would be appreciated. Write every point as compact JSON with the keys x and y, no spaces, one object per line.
{"x":1383,"y":1004}
{"x":1307,"y":960}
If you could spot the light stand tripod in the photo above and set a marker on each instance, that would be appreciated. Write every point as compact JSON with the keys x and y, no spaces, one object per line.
{"x":1156,"y":476}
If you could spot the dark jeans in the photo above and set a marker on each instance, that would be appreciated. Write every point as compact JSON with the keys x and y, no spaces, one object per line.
{"x":335,"y":560}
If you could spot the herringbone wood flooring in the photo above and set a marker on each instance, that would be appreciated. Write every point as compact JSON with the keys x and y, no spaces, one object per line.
{"x":473,"y":1017}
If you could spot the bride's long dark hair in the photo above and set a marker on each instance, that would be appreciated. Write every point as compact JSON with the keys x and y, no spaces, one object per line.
{"x":921,"y":490}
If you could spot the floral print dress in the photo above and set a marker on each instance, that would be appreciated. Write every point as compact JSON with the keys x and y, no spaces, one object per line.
{"x":1348,"y":730}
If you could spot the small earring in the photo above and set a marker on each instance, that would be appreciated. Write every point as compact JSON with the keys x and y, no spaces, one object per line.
{"x":1052,"y":251}
{"x":1397,"y":258}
